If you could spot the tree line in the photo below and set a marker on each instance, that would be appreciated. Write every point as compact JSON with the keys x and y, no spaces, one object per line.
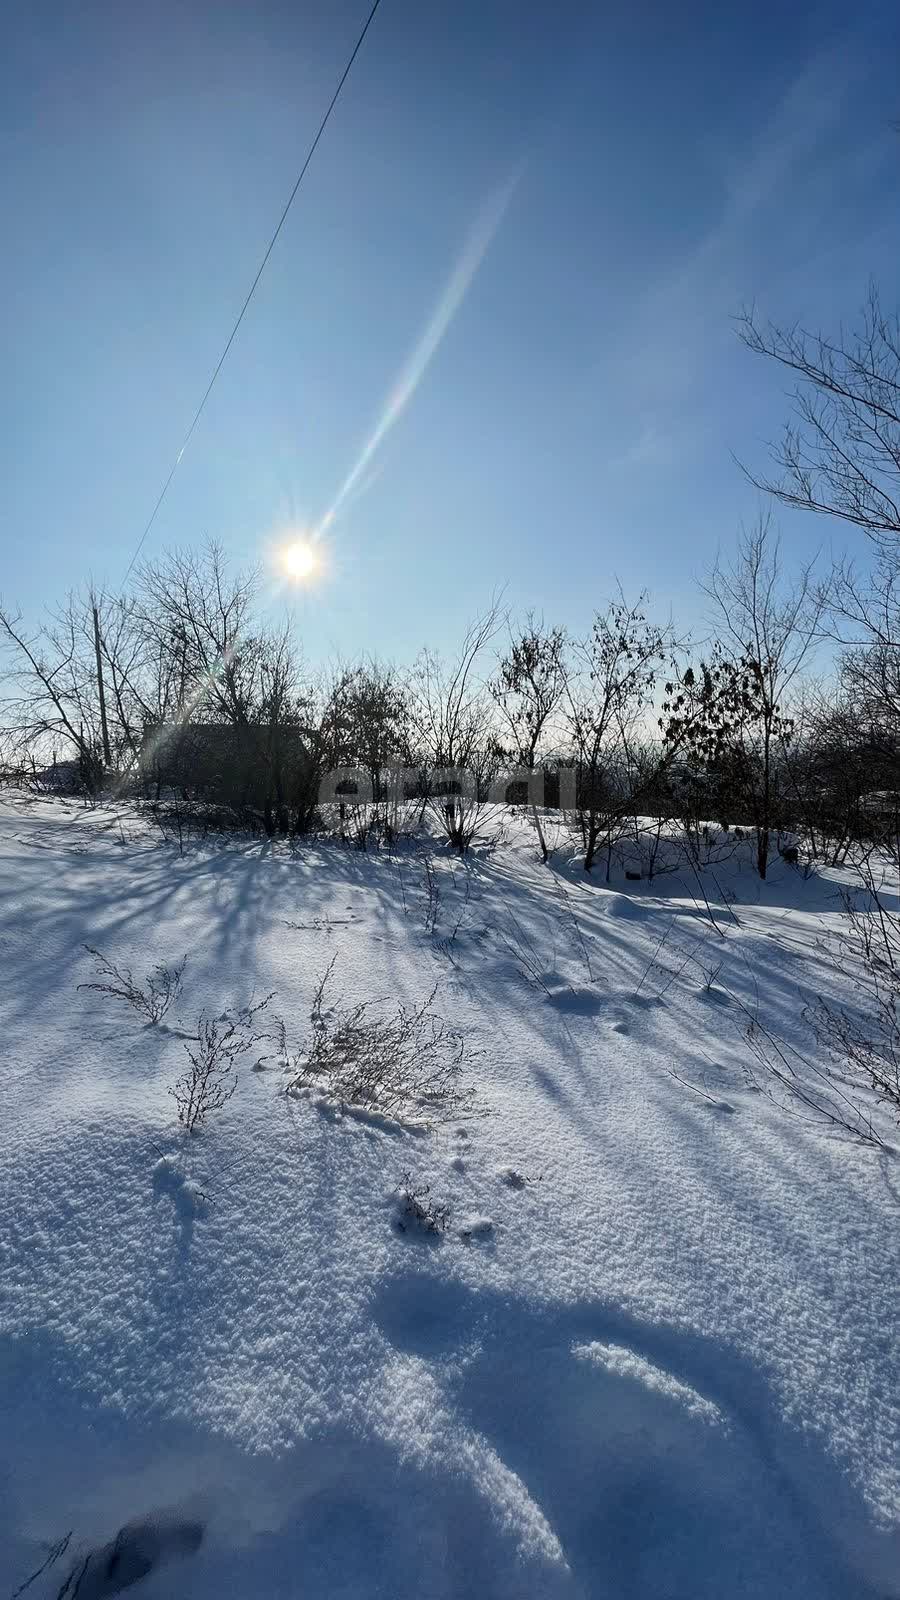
{"x":629,"y":721}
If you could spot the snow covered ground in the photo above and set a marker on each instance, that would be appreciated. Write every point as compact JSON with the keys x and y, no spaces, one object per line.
{"x":654,"y":1354}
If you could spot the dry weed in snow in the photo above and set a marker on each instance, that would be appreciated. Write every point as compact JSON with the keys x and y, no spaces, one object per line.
{"x":405,"y":1064}
{"x":150,"y":999}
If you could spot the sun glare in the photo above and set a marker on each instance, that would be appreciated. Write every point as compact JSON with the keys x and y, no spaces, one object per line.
{"x":299,"y":560}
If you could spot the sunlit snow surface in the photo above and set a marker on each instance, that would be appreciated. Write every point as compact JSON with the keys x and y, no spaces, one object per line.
{"x":654,"y":1354}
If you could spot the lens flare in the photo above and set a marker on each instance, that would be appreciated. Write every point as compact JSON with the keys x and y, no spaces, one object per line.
{"x":299,"y":560}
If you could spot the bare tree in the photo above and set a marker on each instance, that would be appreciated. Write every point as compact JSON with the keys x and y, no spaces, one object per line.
{"x":528,"y":687}
{"x":366,"y":726}
{"x":844,"y":764}
{"x":607,"y":699}
{"x":206,"y":659}
{"x":527,"y":690}
{"x":842,"y":456}
{"x":865,"y":1040}
{"x":280,"y":709}
{"x":181,"y":648}
{"x":197,"y":614}
{"x":451,"y":723}
{"x":766,"y":626}
{"x":51,"y":698}
{"x":866,"y":614}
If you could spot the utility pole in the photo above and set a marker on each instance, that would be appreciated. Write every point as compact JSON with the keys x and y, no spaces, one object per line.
{"x":107,"y":758}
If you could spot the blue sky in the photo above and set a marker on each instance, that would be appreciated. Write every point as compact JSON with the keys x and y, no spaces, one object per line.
{"x":607,"y":184}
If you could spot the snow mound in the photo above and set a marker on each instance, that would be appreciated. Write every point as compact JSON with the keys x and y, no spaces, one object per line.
{"x":624,"y":908}
{"x":476,"y":1228}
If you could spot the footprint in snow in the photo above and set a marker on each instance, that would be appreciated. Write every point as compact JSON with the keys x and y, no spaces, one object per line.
{"x":646,"y":1451}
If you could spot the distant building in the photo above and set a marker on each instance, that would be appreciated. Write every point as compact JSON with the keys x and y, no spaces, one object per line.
{"x":225,"y":763}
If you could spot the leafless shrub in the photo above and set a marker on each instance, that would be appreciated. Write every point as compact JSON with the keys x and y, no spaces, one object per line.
{"x":654,"y":964}
{"x":791,"y":1078}
{"x":447,"y":946}
{"x":527,"y":958}
{"x":527,"y":692}
{"x":569,"y":911}
{"x":651,"y":851}
{"x":449,"y":714}
{"x":768,"y":626}
{"x":416,"y":1208}
{"x":211,"y":1078}
{"x":399,"y":1064}
{"x":608,"y":691}
{"x":171,"y":823}
{"x":150,"y":999}
{"x":866,"y":1043}
{"x":799,"y":1084}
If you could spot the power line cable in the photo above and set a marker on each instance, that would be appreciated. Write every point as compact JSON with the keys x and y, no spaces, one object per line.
{"x":262,"y":266}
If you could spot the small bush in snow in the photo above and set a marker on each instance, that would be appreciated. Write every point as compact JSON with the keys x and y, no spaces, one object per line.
{"x":397,"y":1064}
{"x":866,"y":1041}
{"x":213,"y":1053}
{"x":416,"y":1209}
{"x":150,"y":999}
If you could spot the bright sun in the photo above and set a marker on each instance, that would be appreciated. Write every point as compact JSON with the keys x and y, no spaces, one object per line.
{"x":299,"y":560}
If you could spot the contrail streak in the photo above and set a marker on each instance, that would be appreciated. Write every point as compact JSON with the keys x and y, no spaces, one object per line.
{"x":473,"y":253}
